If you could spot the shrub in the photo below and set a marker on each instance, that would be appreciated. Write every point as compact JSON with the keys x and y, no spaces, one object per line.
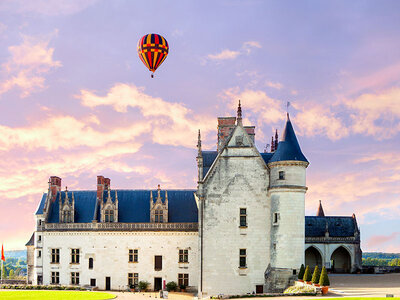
{"x":307,"y":274}
{"x":301,"y":272}
{"x":171,"y":286}
{"x":324,"y":279}
{"x":300,"y":290}
{"x":143,"y":285}
{"x":182,"y":286}
{"x":316,"y":275}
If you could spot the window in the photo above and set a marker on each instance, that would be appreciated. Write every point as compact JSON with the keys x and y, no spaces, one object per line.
{"x":74,"y":256}
{"x":67,"y":216}
{"x":55,"y":256}
{"x":133,"y":279}
{"x":158,"y":216}
{"x":183,"y":279}
{"x":183,"y":256}
{"x":92,"y":282}
{"x":158,"y":263}
{"x":55,"y":277}
{"x":281,"y":175}
{"x":242,"y":258}
{"x":74,"y":277}
{"x":40,"y":222}
{"x":109,"y":215}
{"x":39,"y":254}
{"x":276,"y":218}
{"x":243,"y":217}
{"x":133,"y":255}
{"x":39,"y":238}
{"x":90,"y":263}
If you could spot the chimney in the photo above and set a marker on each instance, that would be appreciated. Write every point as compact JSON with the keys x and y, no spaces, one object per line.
{"x":107,"y":184}
{"x":251,"y":131}
{"x":55,"y":186}
{"x":100,"y":186}
{"x":225,"y":128}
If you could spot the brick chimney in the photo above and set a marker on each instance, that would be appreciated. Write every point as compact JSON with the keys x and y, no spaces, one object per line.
{"x":225,"y":127}
{"x":55,"y":186}
{"x":107,"y":184}
{"x":100,"y":186}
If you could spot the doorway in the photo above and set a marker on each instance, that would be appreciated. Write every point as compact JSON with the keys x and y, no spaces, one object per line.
{"x":157,"y":283}
{"x":108,"y":283}
{"x":259,"y":289}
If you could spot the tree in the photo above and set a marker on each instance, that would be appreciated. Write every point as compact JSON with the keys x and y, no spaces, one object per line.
{"x":11,"y":274}
{"x":307,"y":274}
{"x":324,"y":279}
{"x":316,"y":275}
{"x":301,"y":272}
{"x":4,"y":272}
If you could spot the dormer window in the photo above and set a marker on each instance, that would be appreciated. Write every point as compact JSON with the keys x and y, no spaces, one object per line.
{"x":109,"y":216}
{"x":158,"y":207}
{"x":67,"y":217}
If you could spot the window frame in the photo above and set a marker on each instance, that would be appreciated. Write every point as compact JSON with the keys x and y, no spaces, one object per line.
{"x":74,"y":278}
{"x":281,"y":175}
{"x":55,"y":256}
{"x":55,"y":277}
{"x":243,"y":217}
{"x":75,"y":256}
{"x":242,"y":258}
{"x":109,"y":215}
{"x":90,"y":263}
{"x":183,"y":279}
{"x":183,"y":256}
{"x":275,"y":218}
{"x":133,"y":256}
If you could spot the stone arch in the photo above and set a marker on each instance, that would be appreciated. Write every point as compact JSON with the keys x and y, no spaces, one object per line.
{"x":313,"y":257}
{"x":341,"y":260}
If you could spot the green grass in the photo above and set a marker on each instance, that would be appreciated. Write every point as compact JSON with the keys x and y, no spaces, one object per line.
{"x":362,"y":298}
{"x":58,"y":295}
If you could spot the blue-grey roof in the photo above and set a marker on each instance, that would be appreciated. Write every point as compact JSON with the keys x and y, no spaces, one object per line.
{"x":266,"y":156}
{"x":208,"y":159}
{"x":133,"y":206}
{"x":288,"y":148}
{"x":40,"y":208}
{"x":337,"y":226}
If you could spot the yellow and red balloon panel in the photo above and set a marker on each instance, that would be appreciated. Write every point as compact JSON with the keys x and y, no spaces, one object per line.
{"x":153,"y":50}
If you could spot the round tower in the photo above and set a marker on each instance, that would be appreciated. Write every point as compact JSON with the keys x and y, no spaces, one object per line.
{"x":287,"y":193}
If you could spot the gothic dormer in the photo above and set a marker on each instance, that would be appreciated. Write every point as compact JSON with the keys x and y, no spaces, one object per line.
{"x":109,"y":208}
{"x":158,"y":208}
{"x":66,"y":207}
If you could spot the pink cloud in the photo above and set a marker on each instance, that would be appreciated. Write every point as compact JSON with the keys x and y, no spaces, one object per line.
{"x":27,"y":65}
{"x":377,"y":242}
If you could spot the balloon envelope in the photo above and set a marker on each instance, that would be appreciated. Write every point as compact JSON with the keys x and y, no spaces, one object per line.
{"x":153,"y":50}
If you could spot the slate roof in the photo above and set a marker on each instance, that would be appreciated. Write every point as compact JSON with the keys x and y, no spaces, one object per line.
{"x":133,"y":206}
{"x":31,"y":241}
{"x":337,"y":226}
{"x":288,"y":148}
{"x":40,"y":208}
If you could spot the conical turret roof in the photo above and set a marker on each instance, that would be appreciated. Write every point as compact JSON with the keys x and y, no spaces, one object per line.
{"x":288,"y":148}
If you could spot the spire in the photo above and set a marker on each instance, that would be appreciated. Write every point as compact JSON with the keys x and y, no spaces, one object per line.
{"x":272,"y":144}
{"x":276,"y":139}
{"x":239,"y":114}
{"x":199,"y":144}
{"x":320,"y":212}
{"x":158,"y":192}
{"x":288,"y":147}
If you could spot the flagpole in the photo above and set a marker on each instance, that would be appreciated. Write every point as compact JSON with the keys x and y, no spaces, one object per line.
{"x":1,"y":273}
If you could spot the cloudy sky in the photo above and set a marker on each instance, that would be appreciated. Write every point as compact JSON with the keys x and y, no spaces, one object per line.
{"x":77,"y":102}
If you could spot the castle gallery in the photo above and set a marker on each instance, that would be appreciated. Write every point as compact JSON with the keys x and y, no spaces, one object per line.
{"x":243,"y":230}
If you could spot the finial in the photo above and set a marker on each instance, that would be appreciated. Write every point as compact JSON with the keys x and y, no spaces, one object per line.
{"x":239,"y":114}
{"x":199,"y":143}
{"x":66,"y":188}
{"x":158,"y":187}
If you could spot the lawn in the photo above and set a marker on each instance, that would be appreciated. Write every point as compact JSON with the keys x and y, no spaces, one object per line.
{"x":362,"y":298}
{"x":58,"y":295}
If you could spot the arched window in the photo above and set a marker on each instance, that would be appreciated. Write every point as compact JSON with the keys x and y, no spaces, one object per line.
{"x":109,"y":215}
{"x":90,"y":263}
{"x":67,"y":216}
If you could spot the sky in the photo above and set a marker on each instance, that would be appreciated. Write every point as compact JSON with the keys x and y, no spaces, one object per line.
{"x":77,"y":102}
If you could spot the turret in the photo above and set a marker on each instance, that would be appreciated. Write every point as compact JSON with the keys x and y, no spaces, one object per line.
{"x":287,"y":189}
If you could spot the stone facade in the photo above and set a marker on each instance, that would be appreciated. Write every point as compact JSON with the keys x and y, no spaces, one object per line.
{"x":243,"y":230}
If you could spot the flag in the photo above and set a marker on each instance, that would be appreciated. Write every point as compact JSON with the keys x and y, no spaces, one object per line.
{"x":3,"y":258}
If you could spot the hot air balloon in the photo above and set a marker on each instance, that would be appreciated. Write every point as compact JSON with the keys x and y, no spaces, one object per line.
{"x":153,"y":50}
